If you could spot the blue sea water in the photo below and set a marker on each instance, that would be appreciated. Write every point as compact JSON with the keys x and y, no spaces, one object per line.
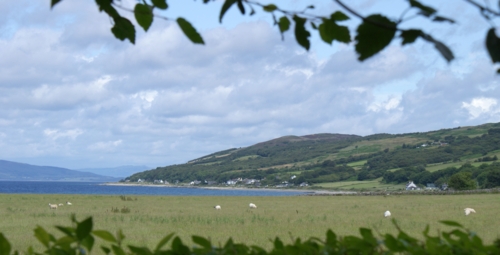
{"x":97,"y":188}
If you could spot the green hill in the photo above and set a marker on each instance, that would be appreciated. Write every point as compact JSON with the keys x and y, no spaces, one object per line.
{"x":323,"y":159}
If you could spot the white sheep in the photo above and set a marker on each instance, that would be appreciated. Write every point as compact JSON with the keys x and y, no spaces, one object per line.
{"x":469,"y":210}
{"x":217,"y":207}
{"x":387,"y":214}
{"x":68,"y":203}
{"x":52,"y":206}
{"x":252,"y":205}
{"x":60,"y":204}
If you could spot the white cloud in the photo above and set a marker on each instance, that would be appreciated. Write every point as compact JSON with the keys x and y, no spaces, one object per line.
{"x":105,"y":146}
{"x":55,"y":134}
{"x":479,"y":106}
{"x":98,"y":101}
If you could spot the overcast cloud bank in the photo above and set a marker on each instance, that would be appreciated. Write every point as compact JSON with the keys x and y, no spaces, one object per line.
{"x":73,"y":96}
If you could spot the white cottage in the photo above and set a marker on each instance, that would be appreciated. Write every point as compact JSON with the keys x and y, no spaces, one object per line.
{"x":411,"y":186}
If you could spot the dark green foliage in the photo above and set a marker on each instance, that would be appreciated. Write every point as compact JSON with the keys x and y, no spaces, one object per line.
{"x":374,"y":34}
{"x":301,"y":34}
{"x":144,"y":15}
{"x":493,"y":45}
{"x":462,"y":181}
{"x":190,"y":31}
{"x":457,"y":241}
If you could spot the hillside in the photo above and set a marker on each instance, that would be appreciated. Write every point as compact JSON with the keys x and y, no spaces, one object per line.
{"x":321,"y":159}
{"x":13,"y":171}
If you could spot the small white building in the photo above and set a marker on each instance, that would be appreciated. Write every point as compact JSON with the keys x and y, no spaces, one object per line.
{"x":411,"y":186}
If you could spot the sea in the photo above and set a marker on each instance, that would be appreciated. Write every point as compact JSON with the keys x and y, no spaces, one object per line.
{"x":100,"y":188}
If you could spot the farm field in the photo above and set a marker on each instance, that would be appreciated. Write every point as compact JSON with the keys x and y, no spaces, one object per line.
{"x":152,"y":217}
{"x":374,"y":185}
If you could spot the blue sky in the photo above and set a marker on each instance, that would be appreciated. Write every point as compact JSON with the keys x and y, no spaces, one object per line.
{"x":73,"y":96}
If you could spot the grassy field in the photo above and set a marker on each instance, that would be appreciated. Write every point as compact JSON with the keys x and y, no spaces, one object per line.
{"x":152,"y":217}
{"x":374,"y":185}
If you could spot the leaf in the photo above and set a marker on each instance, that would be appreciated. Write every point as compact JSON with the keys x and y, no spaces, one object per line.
{"x":410,"y":35}
{"x":393,"y":244}
{"x":338,"y":16}
{"x":190,"y":31}
{"x":164,"y":241}
{"x":162,"y":4}
{"x":67,"y":230}
{"x":5,"y":246}
{"x":203,"y":242}
{"x":372,"y":38}
{"x":105,"y":235}
{"x":88,"y":243}
{"x":368,"y":236}
{"x":105,"y":5}
{"x":117,"y":250}
{"x":140,"y":250}
{"x":451,"y":223}
{"x":441,"y":18}
{"x":123,"y":29}
{"x":143,"y":15}
{"x":42,"y":236}
{"x":84,"y":228}
{"x":241,"y":7}
{"x":284,"y":24}
{"x":301,"y":34}
{"x":54,"y":2}
{"x":105,"y":249}
{"x":426,"y":10}
{"x":329,"y":31}
{"x":493,"y":45}
{"x":227,"y":4}
{"x":270,"y":8}
{"x":444,"y":50}
{"x":278,"y":244}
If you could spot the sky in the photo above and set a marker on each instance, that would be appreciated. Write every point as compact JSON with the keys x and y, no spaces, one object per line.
{"x":73,"y":96}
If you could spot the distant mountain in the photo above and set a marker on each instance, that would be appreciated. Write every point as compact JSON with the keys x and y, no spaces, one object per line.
{"x":14,"y":171}
{"x":120,"y":171}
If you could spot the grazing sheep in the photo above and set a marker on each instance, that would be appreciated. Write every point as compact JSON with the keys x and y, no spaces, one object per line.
{"x":217,"y":207}
{"x":469,"y":210}
{"x":387,"y":214}
{"x":252,"y":205}
{"x":52,"y":206}
{"x":68,"y":203}
{"x":60,"y":204}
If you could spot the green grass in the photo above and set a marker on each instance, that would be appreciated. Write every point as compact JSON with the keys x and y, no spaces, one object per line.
{"x":374,"y":185}
{"x":152,"y":217}
{"x":357,"y":163}
{"x":246,"y":157}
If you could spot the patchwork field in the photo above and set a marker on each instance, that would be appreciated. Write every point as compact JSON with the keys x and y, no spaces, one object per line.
{"x":152,"y":217}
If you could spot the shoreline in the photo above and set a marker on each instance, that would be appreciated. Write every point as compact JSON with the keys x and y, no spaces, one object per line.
{"x":305,"y":191}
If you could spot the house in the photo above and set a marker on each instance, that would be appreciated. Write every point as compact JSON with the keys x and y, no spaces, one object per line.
{"x":444,"y":186}
{"x":430,"y":186}
{"x":293,"y":177}
{"x":304,"y":184}
{"x":195,"y":183}
{"x":231,"y":182}
{"x":411,"y":186}
{"x":140,"y":180}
